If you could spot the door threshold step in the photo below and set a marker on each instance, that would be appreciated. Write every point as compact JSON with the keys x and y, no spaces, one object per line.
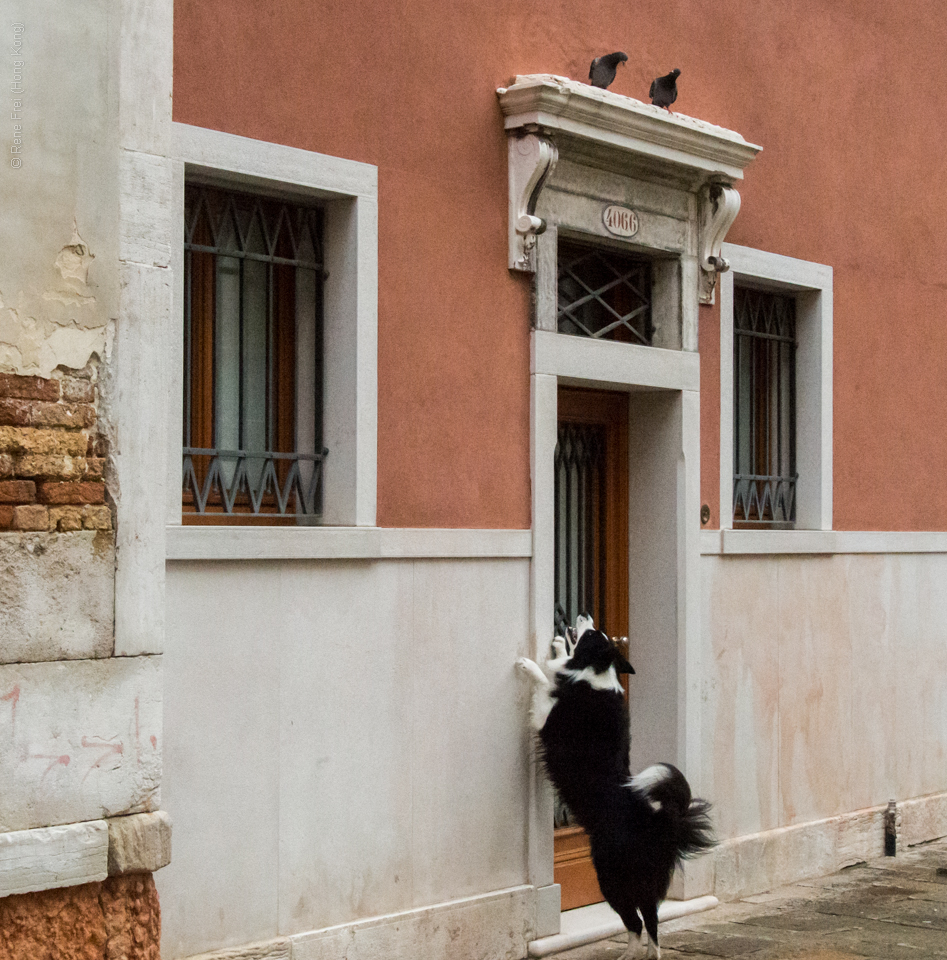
{"x":599,"y":922}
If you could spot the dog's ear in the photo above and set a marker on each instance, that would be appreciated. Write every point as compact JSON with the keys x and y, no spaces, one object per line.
{"x":622,"y":665}
{"x":621,"y":661}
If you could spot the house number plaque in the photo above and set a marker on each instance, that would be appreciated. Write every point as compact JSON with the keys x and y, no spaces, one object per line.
{"x":620,"y":221}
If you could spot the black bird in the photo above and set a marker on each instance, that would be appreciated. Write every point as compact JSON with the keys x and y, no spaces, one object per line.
{"x":602,"y":71}
{"x":664,"y":90}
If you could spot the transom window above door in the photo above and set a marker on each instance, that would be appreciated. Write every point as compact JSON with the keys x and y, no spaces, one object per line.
{"x":253,"y":383}
{"x":603,"y":294}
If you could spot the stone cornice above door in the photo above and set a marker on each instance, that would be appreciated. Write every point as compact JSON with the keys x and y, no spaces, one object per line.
{"x":624,"y":134}
{"x":549,"y":118}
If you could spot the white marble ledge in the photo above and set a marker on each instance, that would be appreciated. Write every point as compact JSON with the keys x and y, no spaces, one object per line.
{"x":50,"y":857}
{"x":496,"y":924}
{"x":484,"y":925}
{"x":558,"y":103}
{"x":600,"y":922}
{"x":343,"y":543}
{"x":749,"y":542}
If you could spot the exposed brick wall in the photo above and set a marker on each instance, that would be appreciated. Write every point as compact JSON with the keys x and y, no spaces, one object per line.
{"x":51,"y":455}
{"x":118,"y":919}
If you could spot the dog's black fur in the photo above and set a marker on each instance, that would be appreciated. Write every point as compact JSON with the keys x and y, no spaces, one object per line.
{"x":586,"y":738}
{"x":641,"y":827}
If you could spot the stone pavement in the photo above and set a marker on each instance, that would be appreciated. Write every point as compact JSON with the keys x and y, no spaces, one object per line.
{"x":885,"y":909}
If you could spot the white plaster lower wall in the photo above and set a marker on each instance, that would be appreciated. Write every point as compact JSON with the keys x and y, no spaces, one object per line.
{"x":826,"y":685}
{"x":343,"y":740}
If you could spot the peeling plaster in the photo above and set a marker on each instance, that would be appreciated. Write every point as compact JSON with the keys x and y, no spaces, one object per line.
{"x":69,"y":299}
{"x":11,"y":360}
{"x":74,"y":259}
{"x":71,"y":347}
{"x":63,"y":325}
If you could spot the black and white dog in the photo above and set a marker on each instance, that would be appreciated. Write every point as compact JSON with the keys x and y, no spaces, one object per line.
{"x":639,"y":827}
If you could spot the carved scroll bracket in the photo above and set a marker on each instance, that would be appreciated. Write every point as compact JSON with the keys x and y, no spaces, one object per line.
{"x":532,"y":160}
{"x":719,"y":206}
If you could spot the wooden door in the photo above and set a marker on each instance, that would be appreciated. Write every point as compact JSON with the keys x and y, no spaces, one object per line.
{"x":591,"y":469}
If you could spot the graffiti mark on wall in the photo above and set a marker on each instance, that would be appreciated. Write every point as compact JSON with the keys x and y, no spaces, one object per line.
{"x":12,"y":698}
{"x":64,"y":761}
{"x":110,"y":749}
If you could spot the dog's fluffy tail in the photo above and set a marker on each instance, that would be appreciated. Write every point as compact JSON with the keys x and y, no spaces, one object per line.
{"x":669,"y":794}
{"x":696,"y":832}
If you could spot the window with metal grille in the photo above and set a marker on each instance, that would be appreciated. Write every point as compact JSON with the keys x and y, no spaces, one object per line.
{"x":604,"y":294}
{"x":580,"y":517}
{"x":764,"y":410}
{"x":253,"y":383}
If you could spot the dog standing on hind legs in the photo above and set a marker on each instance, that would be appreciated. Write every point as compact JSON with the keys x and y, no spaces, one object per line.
{"x":639,"y":827}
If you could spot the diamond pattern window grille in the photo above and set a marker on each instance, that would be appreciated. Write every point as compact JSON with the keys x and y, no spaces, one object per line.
{"x":251,"y":227}
{"x":764,"y":429}
{"x":253,"y":356}
{"x":604,"y":294}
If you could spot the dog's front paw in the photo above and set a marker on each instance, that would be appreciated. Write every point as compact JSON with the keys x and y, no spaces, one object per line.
{"x":559,"y":648}
{"x":531,"y":669}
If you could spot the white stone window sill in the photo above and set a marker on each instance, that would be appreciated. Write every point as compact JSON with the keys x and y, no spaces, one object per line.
{"x":341,"y":543}
{"x":748,"y":542}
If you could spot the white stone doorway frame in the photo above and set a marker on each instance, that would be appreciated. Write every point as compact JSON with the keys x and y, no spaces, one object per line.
{"x":664,"y":554}
{"x":577,"y":152}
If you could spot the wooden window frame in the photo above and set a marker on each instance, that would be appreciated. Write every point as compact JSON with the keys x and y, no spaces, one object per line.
{"x":766,"y":405}
{"x":201,"y":378}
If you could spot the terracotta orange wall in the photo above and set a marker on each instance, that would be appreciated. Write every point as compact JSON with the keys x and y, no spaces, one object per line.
{"x":849,"y":107}
{"x":118,"y":918}
{"x":709,"y":346}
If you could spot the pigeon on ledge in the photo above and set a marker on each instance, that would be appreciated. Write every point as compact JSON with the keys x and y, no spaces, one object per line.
{"x":602,"y":71}
{"x":664,"y":90}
